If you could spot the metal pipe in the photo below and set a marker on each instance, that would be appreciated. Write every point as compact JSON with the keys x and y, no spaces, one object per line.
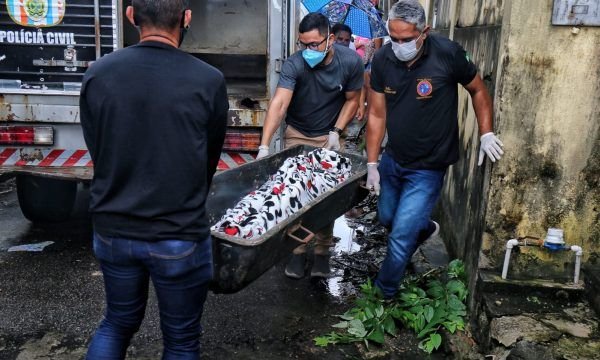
{"x":530,"y":241}
{"x":509,"y":245}
{"x":98,"y":35}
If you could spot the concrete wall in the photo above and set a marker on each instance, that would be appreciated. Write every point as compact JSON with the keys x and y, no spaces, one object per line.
{"x":462,"y":206}
{"x":545,"y":81}
{"x":548,"y":116}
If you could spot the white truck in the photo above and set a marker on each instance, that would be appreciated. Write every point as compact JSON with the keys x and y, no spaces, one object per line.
{"x":46,"y":46}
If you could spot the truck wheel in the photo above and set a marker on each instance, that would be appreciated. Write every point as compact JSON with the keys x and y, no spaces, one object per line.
{"x":45,"y":200}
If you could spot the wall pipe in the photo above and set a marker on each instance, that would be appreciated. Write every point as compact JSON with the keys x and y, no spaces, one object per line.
{"x":532,"y":241}
{"x":578,"y":253}
{"x":509,"y":245}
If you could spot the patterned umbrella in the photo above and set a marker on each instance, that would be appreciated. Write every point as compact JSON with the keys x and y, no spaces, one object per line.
{"x":360,"y":15}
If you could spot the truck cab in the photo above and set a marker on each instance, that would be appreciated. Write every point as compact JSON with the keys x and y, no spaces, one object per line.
{"x":46,"y":47}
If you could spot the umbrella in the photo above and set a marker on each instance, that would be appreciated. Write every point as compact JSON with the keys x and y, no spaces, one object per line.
{"x":360,"y":15}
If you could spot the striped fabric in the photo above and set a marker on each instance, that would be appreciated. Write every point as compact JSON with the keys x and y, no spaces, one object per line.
{"x":296,"y":183}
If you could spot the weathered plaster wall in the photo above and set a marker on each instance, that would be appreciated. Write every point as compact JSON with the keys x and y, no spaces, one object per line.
{"x":548,"y":116}
{"x":461,"y":209}
{"x":545,"y":81}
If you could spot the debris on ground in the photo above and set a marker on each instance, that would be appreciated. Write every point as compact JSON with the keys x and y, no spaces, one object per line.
{"x":372,"y":239}
{"x":7,"y":186}
{"x":31,"y":247}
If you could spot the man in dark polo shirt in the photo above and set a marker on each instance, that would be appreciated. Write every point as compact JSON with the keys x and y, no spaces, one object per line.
{"x":154,"y":120}
{"x":414,"y":94}
{"x":319,"y":90}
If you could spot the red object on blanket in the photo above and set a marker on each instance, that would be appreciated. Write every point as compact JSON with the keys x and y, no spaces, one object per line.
{"x":326,"y":165}
{"x":278,"y":189}
{"x":231,"y":231}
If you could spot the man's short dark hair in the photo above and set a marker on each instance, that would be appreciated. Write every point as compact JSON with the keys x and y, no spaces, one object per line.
{"x":341,"y":27}
{"x":314,"y":21}
{"x":162,"y":14}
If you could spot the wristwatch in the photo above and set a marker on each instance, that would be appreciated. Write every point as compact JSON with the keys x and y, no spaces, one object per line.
{"x":337,"y":130}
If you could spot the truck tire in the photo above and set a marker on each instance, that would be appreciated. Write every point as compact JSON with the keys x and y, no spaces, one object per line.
{"x":44,"y":199}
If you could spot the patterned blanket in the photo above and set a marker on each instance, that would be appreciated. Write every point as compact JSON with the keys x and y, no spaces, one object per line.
{"x":297,"y":182}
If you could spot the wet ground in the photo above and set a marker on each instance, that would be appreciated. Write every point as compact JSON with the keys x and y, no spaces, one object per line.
{"x":51,"y":300}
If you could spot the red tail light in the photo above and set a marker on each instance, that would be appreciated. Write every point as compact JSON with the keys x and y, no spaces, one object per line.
{"x":26,"y":135}
{"x":242,"y":139}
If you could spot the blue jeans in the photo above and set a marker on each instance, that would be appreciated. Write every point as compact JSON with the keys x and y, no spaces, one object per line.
{"x":180,"y":272}
{"x":405,"y":203}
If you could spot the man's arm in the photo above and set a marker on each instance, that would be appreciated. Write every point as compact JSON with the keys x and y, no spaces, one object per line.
{"x":482,"y":104}
{"x":349,"y":109}
{"x":87,"y":120}
{"x":216,"y":130}
{"x":375,"y":125}
{"x":277,"y":109}
{"x":354,"y":86}
{"x":360,"y":113}
{"x":490,"y":145}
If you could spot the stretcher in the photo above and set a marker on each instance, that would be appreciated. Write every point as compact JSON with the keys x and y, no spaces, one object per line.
{"x":237,"y":262}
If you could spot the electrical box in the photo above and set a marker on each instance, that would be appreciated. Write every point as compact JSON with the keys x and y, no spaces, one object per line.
{"x":576,"y":12}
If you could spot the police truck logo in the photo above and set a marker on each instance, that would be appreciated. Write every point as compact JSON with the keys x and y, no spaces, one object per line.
{"x":36,"y":13}
{"x":36,"y":10}
{"x":424,"y":88}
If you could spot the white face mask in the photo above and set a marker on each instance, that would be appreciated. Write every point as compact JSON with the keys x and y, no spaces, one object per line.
{"x":406,"y":51}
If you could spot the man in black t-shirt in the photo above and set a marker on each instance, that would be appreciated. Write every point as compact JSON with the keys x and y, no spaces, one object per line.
{"x":414,"y":94}
{"x":319,"y":90}
{"x":154,"y":120}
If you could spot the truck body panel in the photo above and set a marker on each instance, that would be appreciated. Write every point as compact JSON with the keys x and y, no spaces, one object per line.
{"x":46,"y":46}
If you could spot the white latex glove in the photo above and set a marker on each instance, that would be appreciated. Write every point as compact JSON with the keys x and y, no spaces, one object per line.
{"x":361,"y":112}
{"x":333,"y":143}
{"x":373,"y":178}
{"x":263,"y":151}
{"x":490,"y":145}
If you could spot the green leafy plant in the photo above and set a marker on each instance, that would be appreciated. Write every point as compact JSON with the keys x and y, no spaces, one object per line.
{"x":426,"y":304}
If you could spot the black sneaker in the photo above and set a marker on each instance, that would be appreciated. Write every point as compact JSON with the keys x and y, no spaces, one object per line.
{"x":320,"y":267}
{"x":295,"y":267}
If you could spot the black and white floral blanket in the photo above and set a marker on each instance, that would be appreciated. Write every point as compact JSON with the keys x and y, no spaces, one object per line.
{"x":298,"y":181}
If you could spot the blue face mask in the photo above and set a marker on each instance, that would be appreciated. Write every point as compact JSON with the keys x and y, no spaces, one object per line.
{"x":314,"y":57}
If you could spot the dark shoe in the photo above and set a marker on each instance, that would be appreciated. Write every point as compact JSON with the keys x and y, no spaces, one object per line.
{"x":433,"y":229}
{"x":295,"y":267}
{"x":320,"y":267}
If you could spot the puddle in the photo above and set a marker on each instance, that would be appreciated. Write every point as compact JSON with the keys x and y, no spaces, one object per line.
{"x":347,"y":235}
{"x":337,"y":286}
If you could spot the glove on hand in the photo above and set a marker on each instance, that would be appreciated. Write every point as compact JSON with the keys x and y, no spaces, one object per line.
{"x":490,"y":145}
{"x":263,"y":151}
{"x":361,"y":112}
{"x":333,"y":143}
{"x":373,"y":178}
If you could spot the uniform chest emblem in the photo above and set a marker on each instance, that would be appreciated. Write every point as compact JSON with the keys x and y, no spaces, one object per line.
{"x":424,"y":88}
